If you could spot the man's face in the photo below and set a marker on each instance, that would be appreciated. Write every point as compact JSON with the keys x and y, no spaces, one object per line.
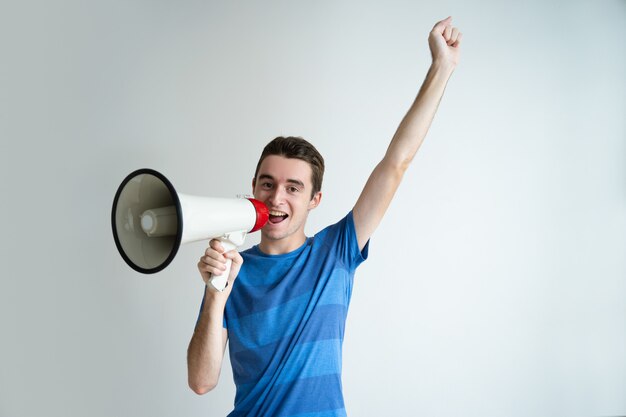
{"x":284,"y":185}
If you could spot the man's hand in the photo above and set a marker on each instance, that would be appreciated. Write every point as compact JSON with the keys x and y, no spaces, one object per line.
{"x":444,"y":41}
{"x":214,"y":263}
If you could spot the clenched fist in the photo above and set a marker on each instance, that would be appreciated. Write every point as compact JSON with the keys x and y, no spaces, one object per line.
{"x":215,"y":262}
{"x":444,"y":41}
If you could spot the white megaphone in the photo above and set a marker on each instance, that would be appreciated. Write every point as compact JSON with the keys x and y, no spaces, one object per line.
{"x":151,"y":220}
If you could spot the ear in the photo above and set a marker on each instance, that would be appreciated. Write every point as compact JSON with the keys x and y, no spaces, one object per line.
{"x":253,"y":185}
{"x":316,"y":200}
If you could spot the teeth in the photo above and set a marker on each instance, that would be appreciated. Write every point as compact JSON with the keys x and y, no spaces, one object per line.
{"x":277,"y":213}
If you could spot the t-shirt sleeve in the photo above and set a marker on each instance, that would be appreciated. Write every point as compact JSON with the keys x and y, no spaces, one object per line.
{"x":342,"y":238}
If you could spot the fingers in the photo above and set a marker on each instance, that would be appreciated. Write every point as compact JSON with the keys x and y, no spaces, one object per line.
{"x":216,"y":253}
{"x":451,"y":35}
{"x":216,"y":245}
{"x":211,"y":265}
{"x":215,"y":259}
{"x":457,"y":42}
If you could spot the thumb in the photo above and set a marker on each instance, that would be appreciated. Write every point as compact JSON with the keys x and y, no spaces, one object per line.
{"x":441,"y":25}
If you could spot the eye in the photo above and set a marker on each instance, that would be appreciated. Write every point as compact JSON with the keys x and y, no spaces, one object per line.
{"x":266,"y":185}
{"x":293,"y":189}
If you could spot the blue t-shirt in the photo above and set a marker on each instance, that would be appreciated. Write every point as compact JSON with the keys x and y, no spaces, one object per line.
{"x":286,"y":318}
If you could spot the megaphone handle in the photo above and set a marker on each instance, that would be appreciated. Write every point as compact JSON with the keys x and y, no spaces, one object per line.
{"x":221,"y":281}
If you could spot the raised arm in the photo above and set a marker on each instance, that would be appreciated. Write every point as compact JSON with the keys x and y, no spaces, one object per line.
{"x":444,"y":41}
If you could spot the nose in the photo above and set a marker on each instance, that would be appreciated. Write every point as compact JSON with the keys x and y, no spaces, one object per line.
{"x":276,"y":196}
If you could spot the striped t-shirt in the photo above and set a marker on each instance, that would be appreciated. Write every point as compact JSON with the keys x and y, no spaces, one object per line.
{"x":286,"y":318}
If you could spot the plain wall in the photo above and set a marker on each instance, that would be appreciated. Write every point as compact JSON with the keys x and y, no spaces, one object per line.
{"x":496,"y":284}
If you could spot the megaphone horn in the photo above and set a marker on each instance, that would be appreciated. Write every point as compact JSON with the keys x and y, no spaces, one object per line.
{"x":150,"y":221}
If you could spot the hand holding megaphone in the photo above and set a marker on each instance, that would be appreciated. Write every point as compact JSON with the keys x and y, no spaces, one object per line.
{"x":219,"y":263}
{"x":151,"y":220}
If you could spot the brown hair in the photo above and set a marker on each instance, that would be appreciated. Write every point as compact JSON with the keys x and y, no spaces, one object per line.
{"x":296,"y":148}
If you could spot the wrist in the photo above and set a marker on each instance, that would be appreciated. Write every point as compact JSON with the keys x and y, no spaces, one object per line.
{"x":443,"y":67}
{"x":216,"y":299}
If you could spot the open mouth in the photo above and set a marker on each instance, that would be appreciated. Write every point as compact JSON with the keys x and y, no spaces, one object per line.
{"x":277,"y":216}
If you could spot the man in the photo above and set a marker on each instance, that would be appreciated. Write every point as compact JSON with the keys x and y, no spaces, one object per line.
{"x":284,"y":309}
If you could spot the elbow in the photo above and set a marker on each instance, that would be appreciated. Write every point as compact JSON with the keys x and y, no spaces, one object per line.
{"x":202,"y":389}
{"x":401,"y":164}
{"x":398,"y":160}
{"x":396,"y":167}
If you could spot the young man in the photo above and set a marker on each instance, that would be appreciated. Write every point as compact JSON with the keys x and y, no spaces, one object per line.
{"x":285,"y":307}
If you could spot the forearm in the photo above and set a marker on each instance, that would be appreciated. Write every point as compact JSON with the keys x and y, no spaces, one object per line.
{"x":206,"y":349}
{"x":415,"y":124}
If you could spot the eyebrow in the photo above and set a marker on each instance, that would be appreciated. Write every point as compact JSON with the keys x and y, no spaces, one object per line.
{"x":291,"y":181}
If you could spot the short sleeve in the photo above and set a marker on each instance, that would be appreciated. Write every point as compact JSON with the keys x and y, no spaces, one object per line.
{"x":341,"y":238}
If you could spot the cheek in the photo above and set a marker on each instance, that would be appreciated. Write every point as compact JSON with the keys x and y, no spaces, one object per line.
{"x":304,"y":206}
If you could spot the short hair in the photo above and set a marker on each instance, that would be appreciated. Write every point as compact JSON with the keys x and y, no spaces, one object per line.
{"x":296,"y":148}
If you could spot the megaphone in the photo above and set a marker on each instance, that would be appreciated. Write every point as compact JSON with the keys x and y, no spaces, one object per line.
{"x":150,"y":221}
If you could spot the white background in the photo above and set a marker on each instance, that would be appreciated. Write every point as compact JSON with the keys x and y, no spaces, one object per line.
{"x":496,"y":285}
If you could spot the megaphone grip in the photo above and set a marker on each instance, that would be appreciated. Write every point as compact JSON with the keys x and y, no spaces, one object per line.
{"x":220,"y":282}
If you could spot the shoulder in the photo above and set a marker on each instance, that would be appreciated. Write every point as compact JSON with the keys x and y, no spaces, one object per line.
{"x":343,"y":226}
{"x":340,"y":239}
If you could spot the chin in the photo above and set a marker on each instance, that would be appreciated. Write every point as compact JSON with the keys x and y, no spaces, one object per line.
{"x":279,"y":233}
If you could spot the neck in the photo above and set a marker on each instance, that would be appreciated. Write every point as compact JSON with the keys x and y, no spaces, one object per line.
{"x":281,"y":246}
